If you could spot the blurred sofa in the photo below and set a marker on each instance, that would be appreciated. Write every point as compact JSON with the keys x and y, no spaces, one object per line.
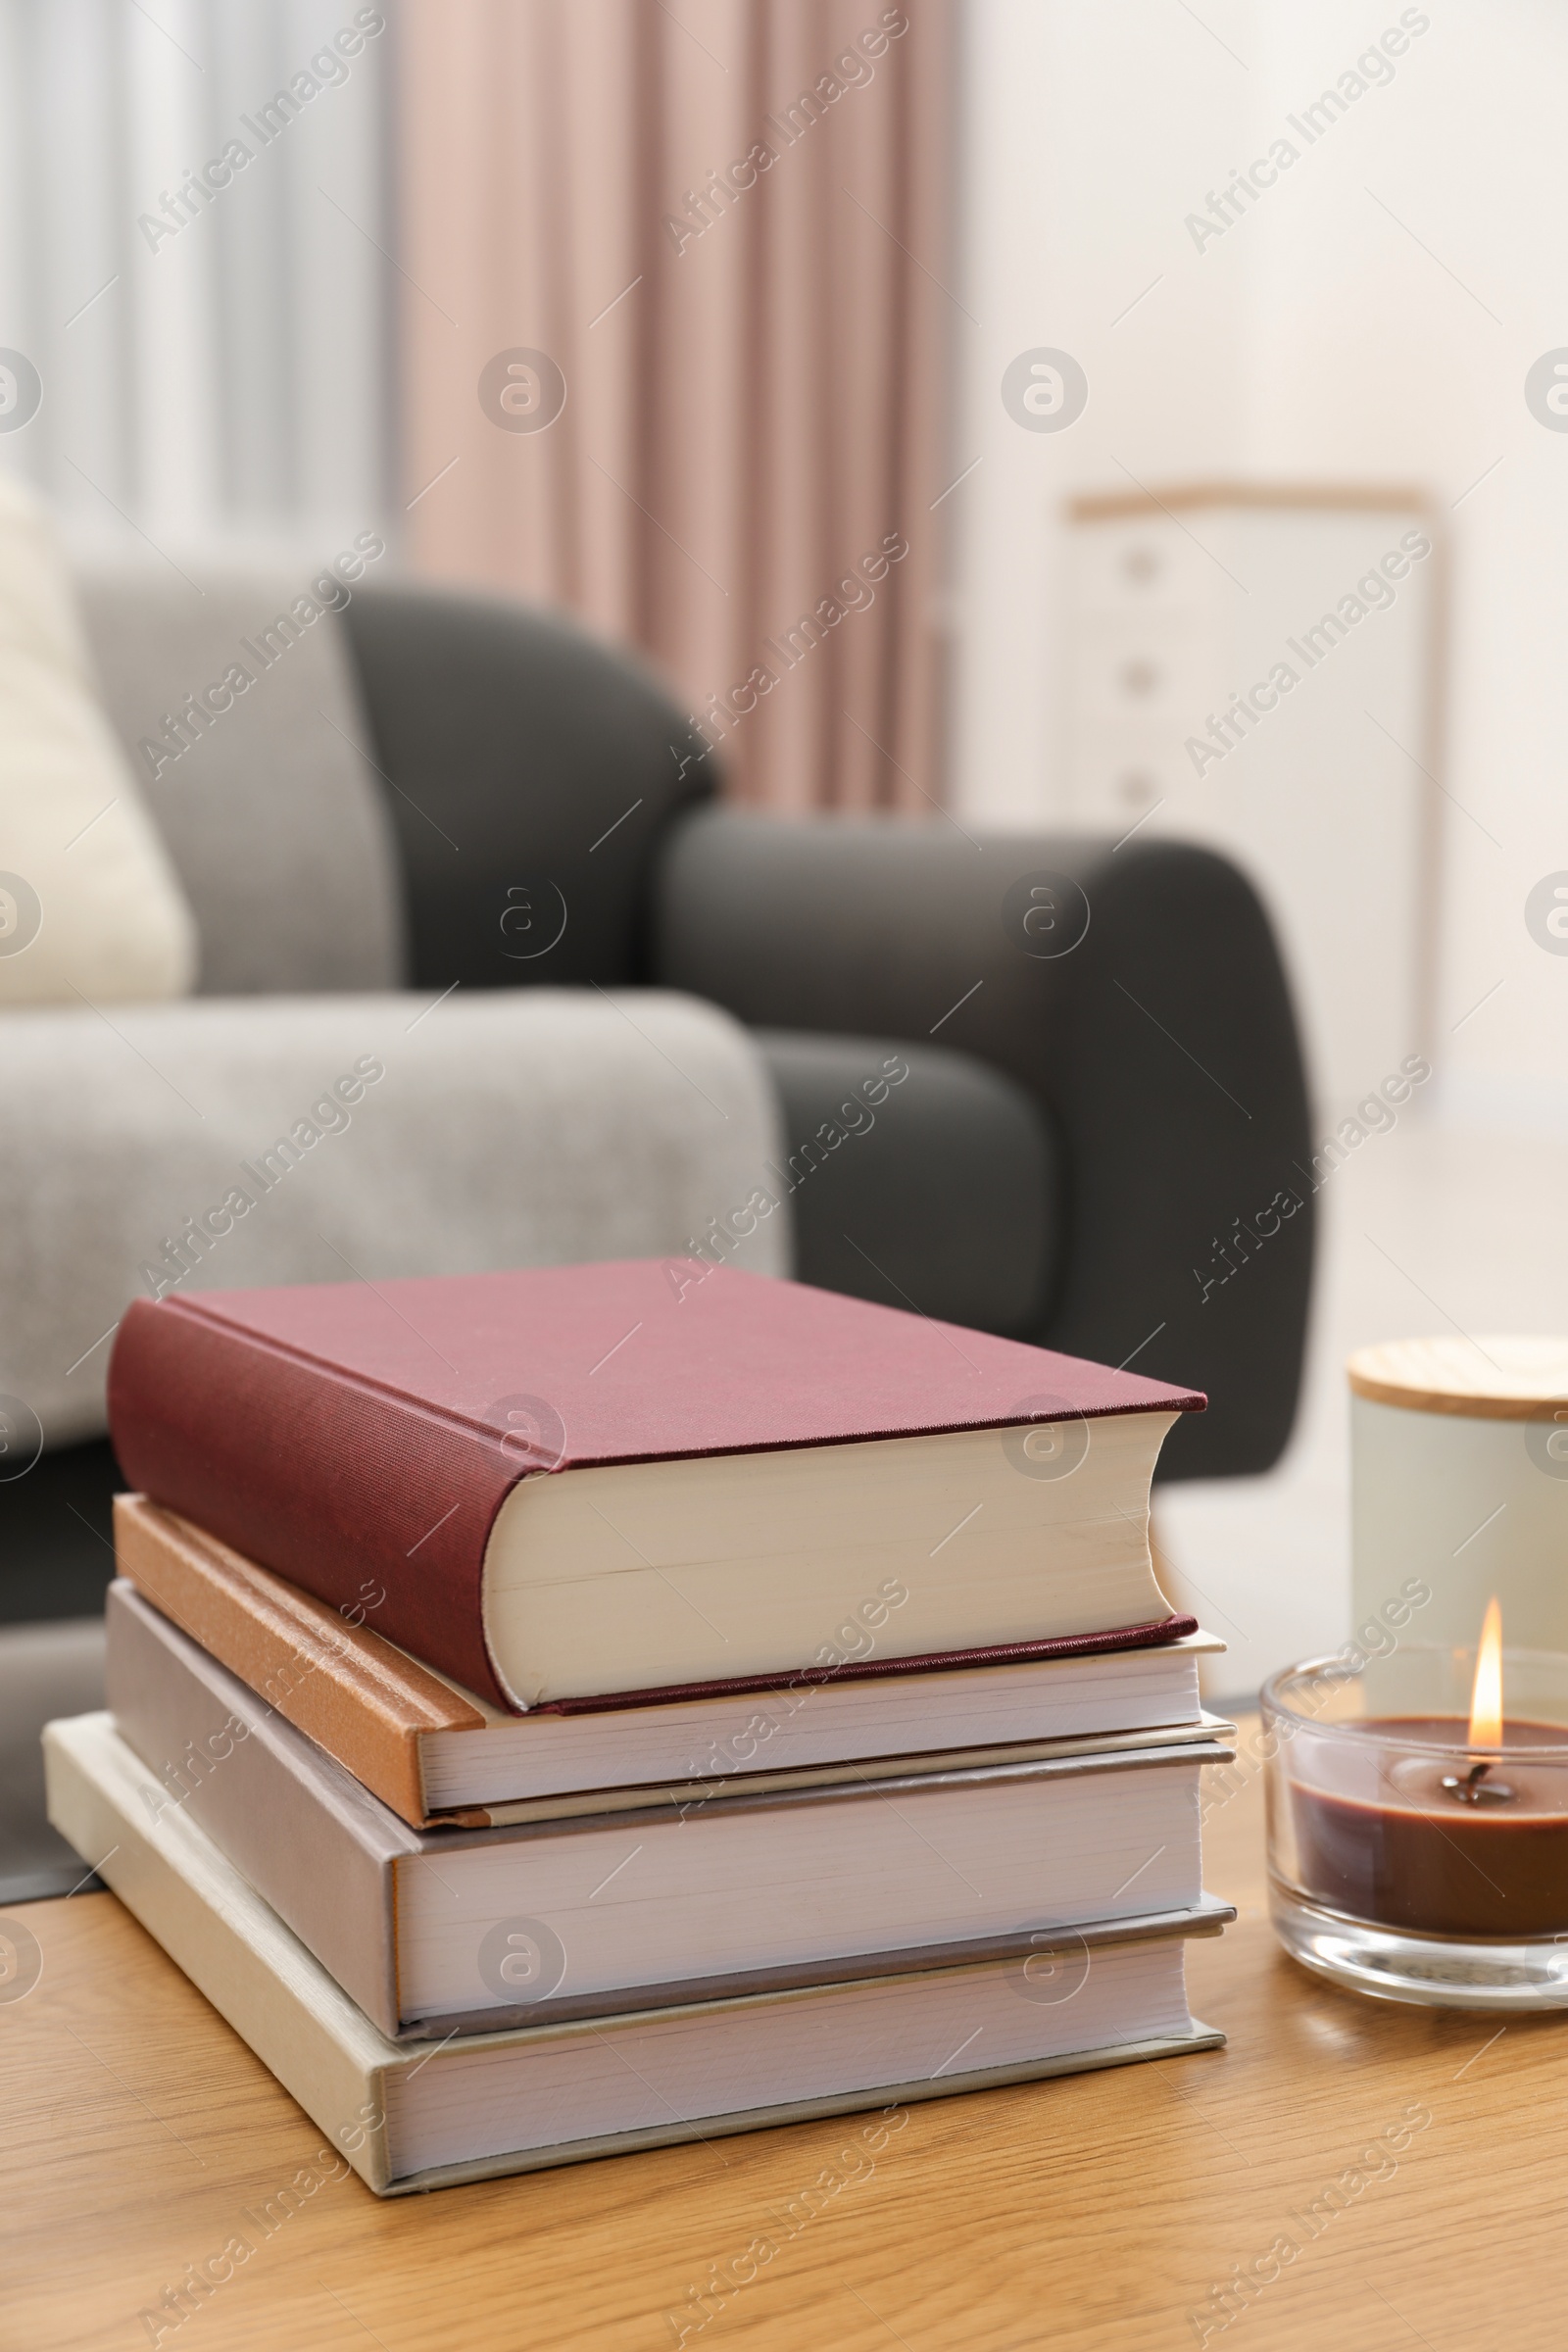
{"x":460,"y":841}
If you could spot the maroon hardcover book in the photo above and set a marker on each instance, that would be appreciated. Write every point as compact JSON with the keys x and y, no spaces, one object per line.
{"x":357,"y":1434}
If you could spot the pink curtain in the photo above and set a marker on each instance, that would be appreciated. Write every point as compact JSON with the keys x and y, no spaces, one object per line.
{"x":725,"y":224}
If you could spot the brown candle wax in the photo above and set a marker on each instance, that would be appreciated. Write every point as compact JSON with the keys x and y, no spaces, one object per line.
{"x":1378,"y":1835}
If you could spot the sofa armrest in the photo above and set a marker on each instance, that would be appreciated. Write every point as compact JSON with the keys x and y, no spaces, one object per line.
{"x":528,"y":773}
{"x":1163,"y":1041}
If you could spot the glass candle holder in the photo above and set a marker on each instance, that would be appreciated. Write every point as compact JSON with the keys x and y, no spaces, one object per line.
{"x":1405,"y":1860}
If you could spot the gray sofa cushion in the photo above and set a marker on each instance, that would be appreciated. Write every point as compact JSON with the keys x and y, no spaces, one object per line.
{"x":942,"y":1189}
{"x":520,"y":1128}
{"x":45,"y":1670}
{"x":273,"y":818}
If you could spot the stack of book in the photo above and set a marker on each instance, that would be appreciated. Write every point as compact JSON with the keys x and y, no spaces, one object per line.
{"x":569,"y":1710}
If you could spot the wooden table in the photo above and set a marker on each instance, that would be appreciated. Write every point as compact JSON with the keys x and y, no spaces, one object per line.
{"x":1100,"y":2211}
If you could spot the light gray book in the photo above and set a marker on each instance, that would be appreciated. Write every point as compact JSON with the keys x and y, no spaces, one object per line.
{"x":865,"y":1873}
{"x":412,"y":2117}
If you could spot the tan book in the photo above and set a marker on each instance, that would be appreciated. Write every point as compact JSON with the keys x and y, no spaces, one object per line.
{"x":366,"y":1702}
{"x":428,"y":2115}
{"x":439,"y":1757}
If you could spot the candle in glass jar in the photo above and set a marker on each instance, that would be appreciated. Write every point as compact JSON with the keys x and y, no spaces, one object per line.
{"x":1441,"y":1825}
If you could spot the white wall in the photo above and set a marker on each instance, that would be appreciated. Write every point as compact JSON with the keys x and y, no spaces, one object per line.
{"x":1084,"y":133}
{"x":1315,"y":339}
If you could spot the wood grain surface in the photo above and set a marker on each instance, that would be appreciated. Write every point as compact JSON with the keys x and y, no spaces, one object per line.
{"x":1095,"y":2214}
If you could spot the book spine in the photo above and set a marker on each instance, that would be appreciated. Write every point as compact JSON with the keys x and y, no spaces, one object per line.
{"x":325,"y":2055}
{"x":351,"y":1490}
{"x":325,"y":1673}
{"x":223,"y":1761}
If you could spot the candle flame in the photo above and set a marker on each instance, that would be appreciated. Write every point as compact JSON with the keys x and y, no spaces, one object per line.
{"x":1486,"y":1698}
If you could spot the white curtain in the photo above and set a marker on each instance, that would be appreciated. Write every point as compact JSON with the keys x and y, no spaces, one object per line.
{"x":225,"y":378}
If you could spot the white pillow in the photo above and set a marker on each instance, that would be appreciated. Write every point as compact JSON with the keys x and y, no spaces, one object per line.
{"x":90,"y":905}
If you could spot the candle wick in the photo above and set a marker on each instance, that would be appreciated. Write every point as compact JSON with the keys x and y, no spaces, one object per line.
{"x":1475,"y":1788}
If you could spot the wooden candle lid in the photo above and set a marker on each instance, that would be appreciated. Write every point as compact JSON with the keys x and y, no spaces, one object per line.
{"x":1512,"y":1378}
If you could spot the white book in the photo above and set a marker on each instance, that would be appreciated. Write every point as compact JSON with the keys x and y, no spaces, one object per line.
{"x":415,"y":2117}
